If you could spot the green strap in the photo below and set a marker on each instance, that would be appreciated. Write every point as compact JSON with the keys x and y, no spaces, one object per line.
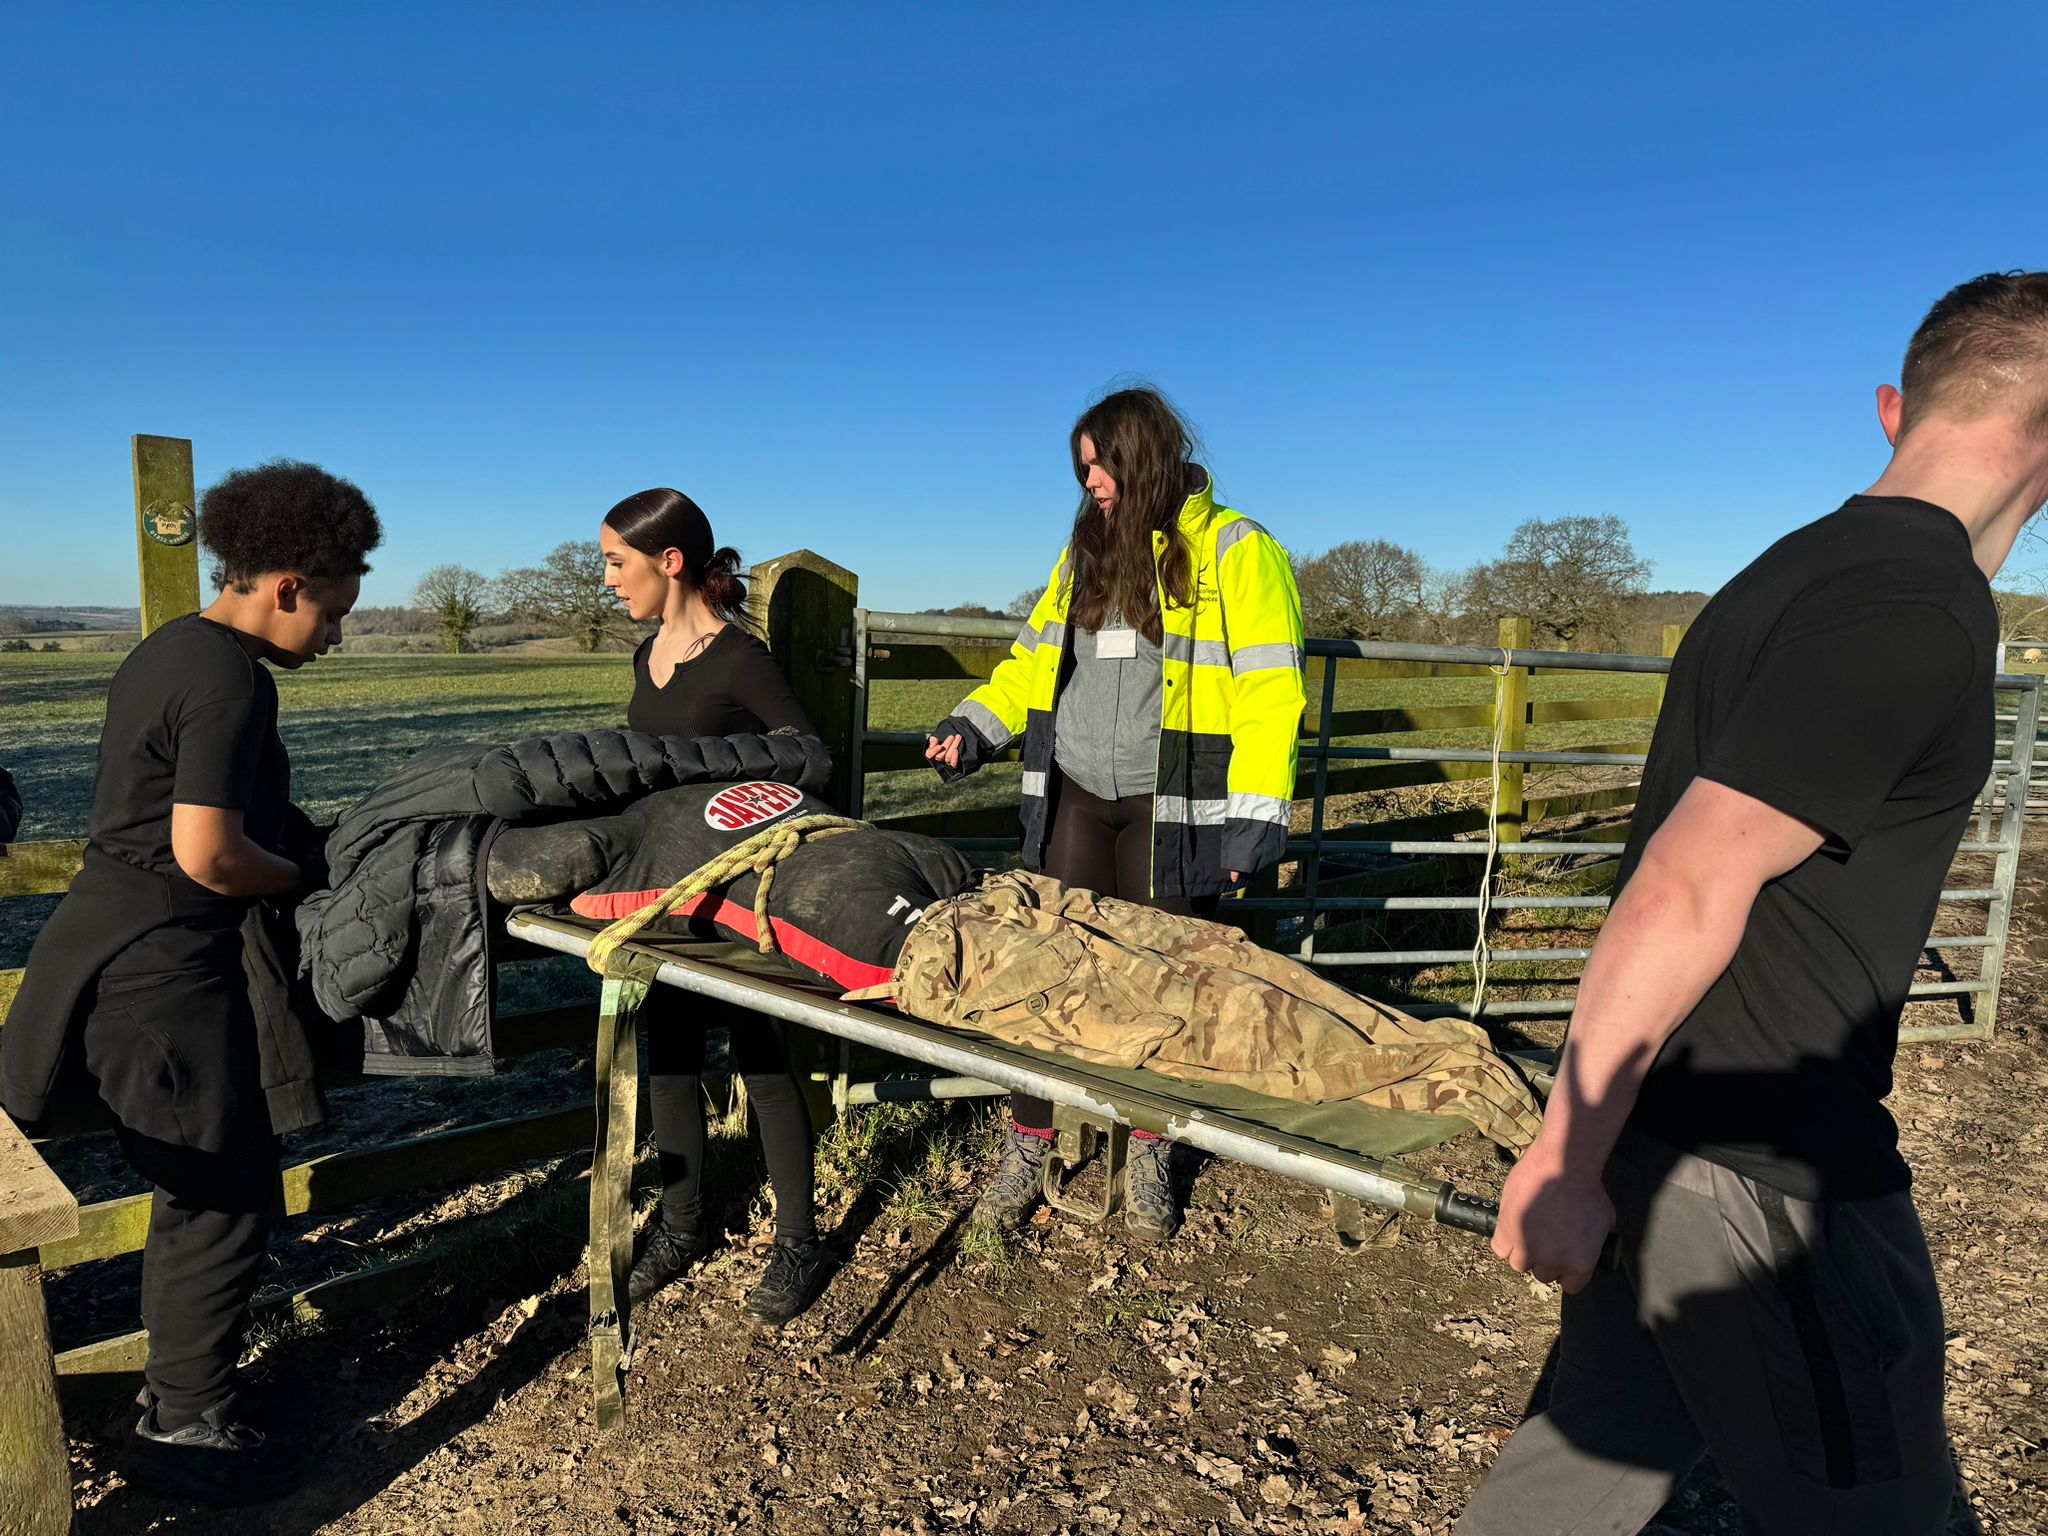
{"x":627,"y":978}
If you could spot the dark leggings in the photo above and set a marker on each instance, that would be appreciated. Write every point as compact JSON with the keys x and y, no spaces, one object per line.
{"x":676,"y":1029}
{"x":1104,"y":846}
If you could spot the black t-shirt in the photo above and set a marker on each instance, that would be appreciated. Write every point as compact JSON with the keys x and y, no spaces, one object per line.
{"x":1843,"y":678}
{"x":191,"y":719}
{"x":730,"y":688}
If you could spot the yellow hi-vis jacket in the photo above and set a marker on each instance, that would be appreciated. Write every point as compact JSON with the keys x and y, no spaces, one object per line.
{"x":1230,"y":708}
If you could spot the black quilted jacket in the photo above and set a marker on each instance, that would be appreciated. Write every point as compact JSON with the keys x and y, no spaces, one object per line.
{"x":401,"y":936}
{"x":10,"y":807}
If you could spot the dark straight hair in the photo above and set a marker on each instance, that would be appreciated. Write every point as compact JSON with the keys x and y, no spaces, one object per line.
{"x":1148,"y":449}
{"x":659,"y":520}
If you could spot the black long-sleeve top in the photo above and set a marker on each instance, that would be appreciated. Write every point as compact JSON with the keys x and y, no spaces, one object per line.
{"x":731,"y":687}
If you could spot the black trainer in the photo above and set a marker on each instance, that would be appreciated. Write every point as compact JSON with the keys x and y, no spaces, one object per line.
{"x":216,"y":1459}
{"x":797,"y":1272}
{"x":667,"y":1254}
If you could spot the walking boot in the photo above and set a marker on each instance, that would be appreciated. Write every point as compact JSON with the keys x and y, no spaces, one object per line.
{"x":1149,"y":1209}
{"x":215,"y":1459}
{"x":797,"y":1272}
{"x":667,"y":1254}
{"x":1018,"y":1184}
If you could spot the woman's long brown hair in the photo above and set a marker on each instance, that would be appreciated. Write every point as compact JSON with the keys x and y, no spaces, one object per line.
{"x":1145,"y":446}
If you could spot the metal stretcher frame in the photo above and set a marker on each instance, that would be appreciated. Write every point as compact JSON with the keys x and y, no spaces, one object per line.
{"x":991,"y":1065}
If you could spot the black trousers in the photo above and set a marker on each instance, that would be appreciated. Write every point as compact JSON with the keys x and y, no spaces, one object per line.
{"x":1104,"y":846}
{"x":176,"y":1061}
{"x":677,"y":1025}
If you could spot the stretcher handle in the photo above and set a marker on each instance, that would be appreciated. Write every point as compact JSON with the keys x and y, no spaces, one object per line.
{"x":1476,"y":1214}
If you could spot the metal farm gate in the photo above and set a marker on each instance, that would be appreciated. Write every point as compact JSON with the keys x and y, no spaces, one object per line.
{"x":1347,"y":751}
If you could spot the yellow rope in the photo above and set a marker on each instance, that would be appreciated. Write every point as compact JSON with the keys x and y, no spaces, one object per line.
{"x":759,"y":855}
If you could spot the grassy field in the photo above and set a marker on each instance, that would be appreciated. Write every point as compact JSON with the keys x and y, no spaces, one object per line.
{"x":350,"y":720}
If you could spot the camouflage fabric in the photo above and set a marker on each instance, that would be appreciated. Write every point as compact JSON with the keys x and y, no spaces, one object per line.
{"x":1039,"y":964}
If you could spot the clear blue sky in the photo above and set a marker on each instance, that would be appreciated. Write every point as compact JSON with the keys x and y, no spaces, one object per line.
{"x":845,"y":274}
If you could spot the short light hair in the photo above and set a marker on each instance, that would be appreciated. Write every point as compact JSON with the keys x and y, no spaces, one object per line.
{"x":1981,"y":351}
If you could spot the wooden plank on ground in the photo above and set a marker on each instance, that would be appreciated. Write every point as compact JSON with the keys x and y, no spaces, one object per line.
{"x":344,"y":1179}
{"x":35,"y":1207}
{"x":39,"y":869}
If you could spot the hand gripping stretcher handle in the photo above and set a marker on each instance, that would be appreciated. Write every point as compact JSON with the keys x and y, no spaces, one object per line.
{"x":1474,"y":1213}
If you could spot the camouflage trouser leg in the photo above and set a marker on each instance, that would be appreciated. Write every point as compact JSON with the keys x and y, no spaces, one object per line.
{"x":1043,"y":965}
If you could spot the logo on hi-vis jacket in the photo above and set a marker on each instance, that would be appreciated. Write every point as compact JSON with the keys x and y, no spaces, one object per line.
{"x":169,"y":522}
{"x":750,"y":805}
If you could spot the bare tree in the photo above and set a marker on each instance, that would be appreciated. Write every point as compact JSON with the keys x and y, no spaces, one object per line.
{"x":566,"y":592}
{"x":1446,"y":599}
{"x":2023,"y":613}
{"x":1022,"y":604}
{"x":1364,"y":589}
{"x":455,"y":595}
{"x":1573,"y":576}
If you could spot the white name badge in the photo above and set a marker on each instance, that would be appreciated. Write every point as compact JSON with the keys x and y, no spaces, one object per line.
{"x":1116,"y":644}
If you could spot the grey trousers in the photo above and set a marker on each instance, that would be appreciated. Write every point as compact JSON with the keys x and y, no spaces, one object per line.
{"x":1799,"y":1343}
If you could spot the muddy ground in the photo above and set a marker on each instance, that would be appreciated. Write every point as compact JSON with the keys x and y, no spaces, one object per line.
{"x":1250,"y":1376}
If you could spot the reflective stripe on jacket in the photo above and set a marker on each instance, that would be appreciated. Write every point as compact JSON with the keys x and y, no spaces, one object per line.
{"x":1230,"y":710}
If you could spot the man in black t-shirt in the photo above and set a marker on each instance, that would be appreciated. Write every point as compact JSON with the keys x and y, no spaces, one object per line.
{"x":1719,"y":1106}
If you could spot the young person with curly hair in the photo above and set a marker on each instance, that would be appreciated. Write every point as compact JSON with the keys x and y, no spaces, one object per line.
{"x":1158,"y":689}
{"x":137,"y":978}
{"x":703,"y":674}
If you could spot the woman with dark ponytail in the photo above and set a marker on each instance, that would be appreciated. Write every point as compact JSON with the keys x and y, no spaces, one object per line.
{"x":704,"y":674}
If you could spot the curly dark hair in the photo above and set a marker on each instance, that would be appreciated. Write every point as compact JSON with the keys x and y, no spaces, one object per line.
{"x":286,"y":516}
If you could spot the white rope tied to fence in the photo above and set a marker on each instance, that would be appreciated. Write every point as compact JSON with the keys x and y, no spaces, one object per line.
{"x":1481,"y":953}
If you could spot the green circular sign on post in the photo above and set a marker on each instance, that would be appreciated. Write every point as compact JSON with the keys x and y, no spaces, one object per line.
{"x":169,"y":522}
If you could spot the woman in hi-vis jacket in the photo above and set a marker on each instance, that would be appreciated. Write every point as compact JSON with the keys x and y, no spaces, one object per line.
{"x":1157,"y":687}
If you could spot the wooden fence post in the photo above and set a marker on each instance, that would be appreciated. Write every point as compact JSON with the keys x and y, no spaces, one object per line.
{"x":35,"y":1468}
{"x":804,"y":604}
{"x":1510,"y":805}
{"x":1673,"y":633}
{"x":166,"y":528}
